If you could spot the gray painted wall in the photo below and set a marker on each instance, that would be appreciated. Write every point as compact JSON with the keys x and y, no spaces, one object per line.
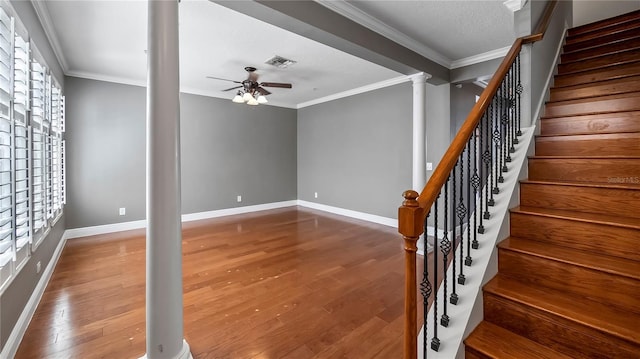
{"x":227,"y":150}
{"x":462,"y":101}
{"x":356,"y":151}
{"x":17,"y":294}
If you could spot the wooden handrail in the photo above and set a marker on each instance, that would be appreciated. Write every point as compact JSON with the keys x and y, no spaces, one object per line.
{"x":414,"y":209}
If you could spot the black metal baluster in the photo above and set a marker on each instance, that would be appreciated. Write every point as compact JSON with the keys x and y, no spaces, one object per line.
{"x":483,"y":172}
{"x":425,"y":286}
{"x":467,"y":259}
{"x":519,"y":90}
{"x":490,"y":142}
{"x":512,"y":117}
{"x":461,"y":211}
{"x":475,"y":182}
{"x":435,"y":342}
{"x":445,"y":247}
{"x":496,"y":146}
{"x":500,"y":126}
{"x":454,"y":239}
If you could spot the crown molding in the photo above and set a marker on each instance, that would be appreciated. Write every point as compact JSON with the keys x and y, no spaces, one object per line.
{"x":45,"y":19}
{"x":351,"y":12}
{"x":514,"y":5}
{"x":358,"y":90}
{"x":489,"y":55}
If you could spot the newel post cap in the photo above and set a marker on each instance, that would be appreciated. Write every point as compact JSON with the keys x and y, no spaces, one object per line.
{"x":410,"y":216}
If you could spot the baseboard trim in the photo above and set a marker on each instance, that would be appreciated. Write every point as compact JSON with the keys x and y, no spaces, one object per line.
{"x":391,"y":222}
{"x":13,"y":342}
{"x":126,"y":226}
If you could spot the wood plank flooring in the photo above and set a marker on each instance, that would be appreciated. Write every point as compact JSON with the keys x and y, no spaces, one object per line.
{"x":287,"y":283}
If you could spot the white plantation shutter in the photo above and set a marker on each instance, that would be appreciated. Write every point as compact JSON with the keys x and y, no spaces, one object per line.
{"x":38,"y":142}
{"x":6,"y":194}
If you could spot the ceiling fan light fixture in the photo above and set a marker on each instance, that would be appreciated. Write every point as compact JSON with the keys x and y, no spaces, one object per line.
{"x":247,"y":97}
{"x":262,"y":99}
{"x":252,"y":102}
{"x":238,"y":98}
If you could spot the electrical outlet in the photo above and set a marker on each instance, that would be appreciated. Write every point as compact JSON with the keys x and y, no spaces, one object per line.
{"x":429,"y":166}
{"x":239,"y":199}
{"x":315,"y":194}
{"x":38,"y":267}
{"x":122,"y":211}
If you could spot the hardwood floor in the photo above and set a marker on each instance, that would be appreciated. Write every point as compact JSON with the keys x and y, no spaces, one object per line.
{"x":288,"y":283}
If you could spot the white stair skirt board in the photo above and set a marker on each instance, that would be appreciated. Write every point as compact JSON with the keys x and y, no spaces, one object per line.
{"x":480,"y":272}
{"x":13,"y":342}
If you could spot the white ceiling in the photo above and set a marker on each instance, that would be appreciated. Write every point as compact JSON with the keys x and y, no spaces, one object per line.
{"x":106,"y":40}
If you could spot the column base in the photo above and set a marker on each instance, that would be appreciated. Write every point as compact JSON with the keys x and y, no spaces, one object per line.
{"x":185,"y":352}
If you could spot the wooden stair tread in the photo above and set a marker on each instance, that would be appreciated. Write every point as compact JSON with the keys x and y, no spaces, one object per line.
{"x":586,"y":158}
{"x":616,"y":266}
{"x":628,"y":84}
{"x":630,"y":186}
{"x":612,"y":122}
{"x":602,"y":317}
{"x":603,"y":24}
{"x":604,"y":61}
{"x":595,"y":98}
{"x":604,"y":49}
{"x":632,"y":223}
{"x":621,"y":35}
{"x":588,"y":136}
{"x":597,"y":74}
{"x":496,"y":342}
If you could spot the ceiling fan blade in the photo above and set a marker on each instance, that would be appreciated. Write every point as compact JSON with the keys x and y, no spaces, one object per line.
{"x":233,"y":88}
{"x":218,"y":78}
{"x":262,"y":91}
{"x":276,"y":84}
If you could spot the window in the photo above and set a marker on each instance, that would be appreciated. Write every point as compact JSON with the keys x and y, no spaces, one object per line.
{"x":32,"y":192}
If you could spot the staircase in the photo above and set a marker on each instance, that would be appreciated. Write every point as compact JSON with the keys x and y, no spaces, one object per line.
{"x":568,"y":282}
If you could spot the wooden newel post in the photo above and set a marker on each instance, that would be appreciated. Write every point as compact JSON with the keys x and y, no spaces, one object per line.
{"x":411,"y":226}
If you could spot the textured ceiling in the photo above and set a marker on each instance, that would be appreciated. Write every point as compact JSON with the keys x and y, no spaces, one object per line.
{"x":106,"y":40}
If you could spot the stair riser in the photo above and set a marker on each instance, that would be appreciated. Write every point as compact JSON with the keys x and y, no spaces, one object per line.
{"x":588,"y":283}
{"x":612,"y":26}
{"x":598,"y":62}
{"x":554,"y":331}
{"x":595,"y":170}
{"x":591,"y":124}
{"x":469,"y":353}
{"x":588,"y":146}
{"x":599,"y":105}
{"x":602,"y":74}
{"x":592,"y":237}
{"x":629,"y":44}
{"x":607,"y":201}
{"x":603,"y":40}
{"x":625,"y":85}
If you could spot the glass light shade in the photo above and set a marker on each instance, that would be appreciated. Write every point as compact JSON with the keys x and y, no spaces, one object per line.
{"x":252,"y":101}
{"x":262,"y":99}
{"x":247,"y":97}
{"x":238,"y":99}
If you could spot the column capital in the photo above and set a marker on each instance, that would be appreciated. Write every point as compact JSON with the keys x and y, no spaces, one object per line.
{"x":420,"y":77}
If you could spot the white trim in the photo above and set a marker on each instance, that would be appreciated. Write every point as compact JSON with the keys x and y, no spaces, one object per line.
{"x":126,"y":226}
{"x":547,"y":85}
{"x":45,"y":19}
{"x":236,"y":210}
{"x":475,"y":59}
{"x":358,"y":90}
{"x":105,"y":228}
{"x":514,"y":5}
{"x":391,"y":222}
{"x":353,"y":13}
{"x":11,"y":347}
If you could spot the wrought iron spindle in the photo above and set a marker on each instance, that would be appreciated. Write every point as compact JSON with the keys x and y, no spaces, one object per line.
{"x":445,"y":247}
{"x":483,"y":172}
{"x":454,"y":239}
{"x":492,"y":174}
{"x":467,"y":259}
{"x":461,"y":211}
{"x":496,"y":145}
{"x":476,"y":181}
{"x":512,"y":118}
{"x":425,"y":286}
{"x":519,"y":90}
{"x":435,"y":342}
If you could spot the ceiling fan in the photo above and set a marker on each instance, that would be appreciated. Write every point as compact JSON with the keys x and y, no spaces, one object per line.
{"x":250,"y":91}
